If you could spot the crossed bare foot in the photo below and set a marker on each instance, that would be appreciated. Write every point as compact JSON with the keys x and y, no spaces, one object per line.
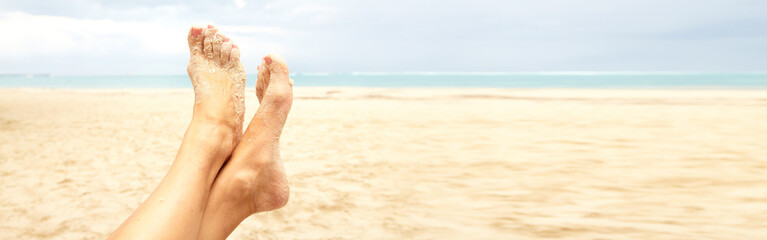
{"x":198,"y":198}
{"x":175,"y":207}
{"x":218,"y":78}
{"x":253,"y":180}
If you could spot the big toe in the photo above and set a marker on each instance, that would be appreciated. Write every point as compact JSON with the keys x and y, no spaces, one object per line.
{"x":276,"y":64}
{"x":274,"y":83}
{"x":274,"y":91}
{"x":195,"y":38}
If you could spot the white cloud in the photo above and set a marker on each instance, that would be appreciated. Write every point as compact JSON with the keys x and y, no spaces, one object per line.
{"x":308,"y":13}
{"x":396,"y":35}
{"x":53,"y":35}
{"x":38,"y":35}
{"x":104,"y":43}
{"x":240,"y":3}
{"x":250,"y":29}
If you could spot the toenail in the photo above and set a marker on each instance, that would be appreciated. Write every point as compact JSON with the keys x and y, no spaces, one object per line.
{"x":268,"y":60}
{"x":226,"y":39}
{"x":196,"y":31}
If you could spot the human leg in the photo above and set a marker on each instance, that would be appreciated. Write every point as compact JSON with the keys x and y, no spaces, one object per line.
{"x":174,"y":209}
{"x":253,"y":180}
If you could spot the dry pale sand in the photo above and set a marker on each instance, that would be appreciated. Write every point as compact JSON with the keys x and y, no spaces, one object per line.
{"x":412,"y":163}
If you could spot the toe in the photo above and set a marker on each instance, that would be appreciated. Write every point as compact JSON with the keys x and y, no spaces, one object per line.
{"x":218,"y":41}
{"x":209,"y":40}
{"x":278,"y":70}
{"x":226,"y":50}
{"x":276,"y":65}
{"x":274,"y":92}
{"x":278,"y":88}
{"x":234,"y":57}
{"x":195,"y":39}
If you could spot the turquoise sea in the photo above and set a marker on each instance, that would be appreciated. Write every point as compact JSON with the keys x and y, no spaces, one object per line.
{"x":427,"y":79}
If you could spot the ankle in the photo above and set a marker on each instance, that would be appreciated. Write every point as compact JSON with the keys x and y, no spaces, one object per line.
{"x":212,"y":135}
{"x":205,"y":116}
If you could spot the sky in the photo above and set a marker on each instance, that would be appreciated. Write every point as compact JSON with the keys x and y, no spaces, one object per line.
{"x":88,"y":37}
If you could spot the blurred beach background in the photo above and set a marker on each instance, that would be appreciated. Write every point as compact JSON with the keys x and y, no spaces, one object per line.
{"x":412,"y":119}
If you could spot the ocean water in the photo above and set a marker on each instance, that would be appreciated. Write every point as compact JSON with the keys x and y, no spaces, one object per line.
{"x":426,"y":79}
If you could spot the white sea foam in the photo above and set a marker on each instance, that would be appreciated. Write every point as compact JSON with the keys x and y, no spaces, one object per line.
{"x":315,"y":74}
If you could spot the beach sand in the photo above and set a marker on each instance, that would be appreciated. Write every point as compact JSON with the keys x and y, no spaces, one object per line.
{"x":378,"y":163}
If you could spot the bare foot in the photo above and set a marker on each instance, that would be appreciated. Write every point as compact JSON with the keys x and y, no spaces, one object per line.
{"x":218,"y":78}
{"x":174,"y":209}
{"x":254,"y":179}
{"x":276,"y":98}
